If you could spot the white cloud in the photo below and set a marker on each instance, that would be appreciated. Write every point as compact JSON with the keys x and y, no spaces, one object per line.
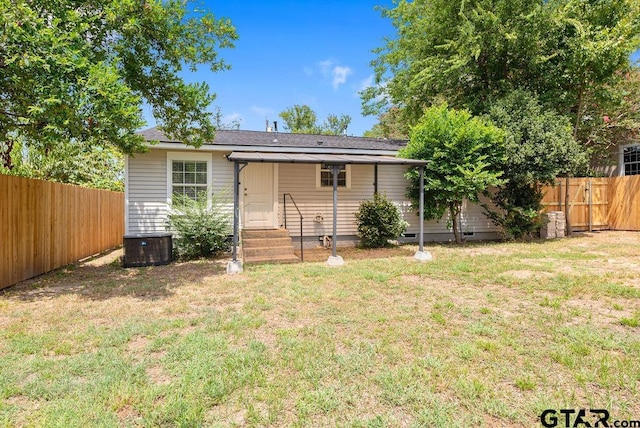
{"x":340,"y":75}
{"x":308,"y":71}
{"x":325,"y":67}
{"x":366,"y":83}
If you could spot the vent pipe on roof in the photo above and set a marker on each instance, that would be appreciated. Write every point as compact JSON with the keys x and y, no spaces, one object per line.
{"x":275,"y":125}
{"x":266,"y":124}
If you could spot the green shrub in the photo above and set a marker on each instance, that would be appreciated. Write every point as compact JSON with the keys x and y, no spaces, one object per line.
{"x":379,"y":220}
{"x":520,"y":210}
{"x":202,"y":227}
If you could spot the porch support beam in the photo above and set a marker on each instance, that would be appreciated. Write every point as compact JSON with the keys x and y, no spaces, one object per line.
{"x":422,"y":255}
{"x":334,"y":259}
{"x":235,"y":266}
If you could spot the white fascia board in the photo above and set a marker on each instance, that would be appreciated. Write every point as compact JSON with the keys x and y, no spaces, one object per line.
{"x":269,"y":149}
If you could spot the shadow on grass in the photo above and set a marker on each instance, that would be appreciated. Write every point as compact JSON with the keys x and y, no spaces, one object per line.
{"x":102,"y":281}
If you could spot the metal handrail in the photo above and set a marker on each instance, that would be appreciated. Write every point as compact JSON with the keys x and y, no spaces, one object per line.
{"x":284,"y":203}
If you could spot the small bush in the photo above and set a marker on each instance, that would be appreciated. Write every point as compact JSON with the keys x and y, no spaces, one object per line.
{"x":379,"y":221}
{"x":520,"y":213}
{"x":202,"y":226}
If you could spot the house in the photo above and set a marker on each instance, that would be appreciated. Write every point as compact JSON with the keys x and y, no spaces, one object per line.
{"x":278,"y":173}
{"x":625,"y":161}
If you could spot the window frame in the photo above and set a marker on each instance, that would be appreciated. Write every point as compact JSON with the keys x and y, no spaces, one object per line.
{"x":320,"y":186}
{"x":621,"y":163}
{"x":188,"y":157}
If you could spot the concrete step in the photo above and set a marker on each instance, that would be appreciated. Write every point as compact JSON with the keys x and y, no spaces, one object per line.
{"x":266,"y":242}
{"x":267,"y":246}
{"x":271,"y":251}
{"x":271,"y":259}
{"x":264,"y":233}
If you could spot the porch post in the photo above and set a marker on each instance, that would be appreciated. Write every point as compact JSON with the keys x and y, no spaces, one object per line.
{"x":334,"y":259}
{"x":422,"y":255}
{"x":235,"y":266}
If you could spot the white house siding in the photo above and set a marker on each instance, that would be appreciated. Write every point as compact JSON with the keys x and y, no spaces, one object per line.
{"x":147,"y":197}
{"x":300,"y":181}
{"x":147,"y":188}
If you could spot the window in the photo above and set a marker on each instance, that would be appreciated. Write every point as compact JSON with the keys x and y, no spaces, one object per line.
{"x":324,"y":176}
{"x":189,"y":178}
{"x":188,"y":174}
{"x":631,"y":160}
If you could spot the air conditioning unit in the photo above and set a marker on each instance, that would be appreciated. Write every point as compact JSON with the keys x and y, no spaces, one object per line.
{"x":147,"y":249}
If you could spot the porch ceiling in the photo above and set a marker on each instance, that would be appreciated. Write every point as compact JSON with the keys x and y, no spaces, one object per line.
{"x":316,"y":158}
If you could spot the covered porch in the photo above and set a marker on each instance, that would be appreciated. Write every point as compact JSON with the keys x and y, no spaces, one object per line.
{"x":332,"y":164}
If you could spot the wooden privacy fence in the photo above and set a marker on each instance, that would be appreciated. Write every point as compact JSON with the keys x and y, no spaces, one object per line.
{"x":46,"y":225}
{"x":624,"y":203}
{"x":610,"y":203}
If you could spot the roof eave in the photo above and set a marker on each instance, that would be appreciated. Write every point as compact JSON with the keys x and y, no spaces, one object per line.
{"x":269,"y":149}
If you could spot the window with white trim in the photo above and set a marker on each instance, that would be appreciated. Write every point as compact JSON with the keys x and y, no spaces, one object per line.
{"x":631,"y":160}
{"x":324,"y":176}
{"x":188,"y":174}
{"x":189,"y":178}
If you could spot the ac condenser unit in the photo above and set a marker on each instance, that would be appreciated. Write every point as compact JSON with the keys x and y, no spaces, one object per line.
{"x":147,"y":249}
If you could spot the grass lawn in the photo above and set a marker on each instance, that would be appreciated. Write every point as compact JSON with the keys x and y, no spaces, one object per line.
{"x":485,"y":335}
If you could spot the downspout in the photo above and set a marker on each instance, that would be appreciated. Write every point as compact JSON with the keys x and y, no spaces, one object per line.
{"x":375,"y":178}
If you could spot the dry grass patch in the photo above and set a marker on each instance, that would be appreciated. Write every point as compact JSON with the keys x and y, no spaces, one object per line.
{"x":488,"y":334}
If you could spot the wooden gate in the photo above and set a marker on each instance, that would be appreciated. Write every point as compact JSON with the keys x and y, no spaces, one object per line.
{"x":588,"y":202}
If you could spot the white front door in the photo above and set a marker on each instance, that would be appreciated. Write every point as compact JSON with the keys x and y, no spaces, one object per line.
{"x":259,"y":196}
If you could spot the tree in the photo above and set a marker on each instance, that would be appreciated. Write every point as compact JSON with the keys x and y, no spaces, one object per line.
{"x":77,"y":72}
{"x":464,"y":154}
{"x":470,"y":53}
{"x":335,"y":125}
{"x":219,"y":121}
{"x":390,"y":125}
{"x":301,"y":119}
{"x":539,"y":147}
{"x":89,"y":166}
{"x":613,"y":120}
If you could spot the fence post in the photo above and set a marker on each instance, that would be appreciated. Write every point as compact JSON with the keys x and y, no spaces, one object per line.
{"x":590,"y":206}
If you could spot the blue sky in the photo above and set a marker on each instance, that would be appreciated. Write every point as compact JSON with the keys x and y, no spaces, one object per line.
{"x":296,"y":52}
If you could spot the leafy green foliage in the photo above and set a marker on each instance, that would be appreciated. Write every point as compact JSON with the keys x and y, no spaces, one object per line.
{"x":202,"y":225}
{"x":539,"y":144}
{"x":379,"y":220}
{"x":539,"y":147}
{"x":89,"y":166}
{"x":614,"y":120}
{"x":520,"y":209}
{"x":77,"y":72}
{"x":301,"y":119}
{"x":335,"y":125}
{"x":464,"y":155}
{"x":571,"y":53}
{"x":390,"y":125}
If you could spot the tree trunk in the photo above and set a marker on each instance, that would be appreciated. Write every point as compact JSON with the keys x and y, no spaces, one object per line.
{"x":5,"y":155}
{"x":455,"y":220}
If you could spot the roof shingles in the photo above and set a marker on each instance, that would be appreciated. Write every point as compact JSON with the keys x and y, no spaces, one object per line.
{"x":279,"y":139}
